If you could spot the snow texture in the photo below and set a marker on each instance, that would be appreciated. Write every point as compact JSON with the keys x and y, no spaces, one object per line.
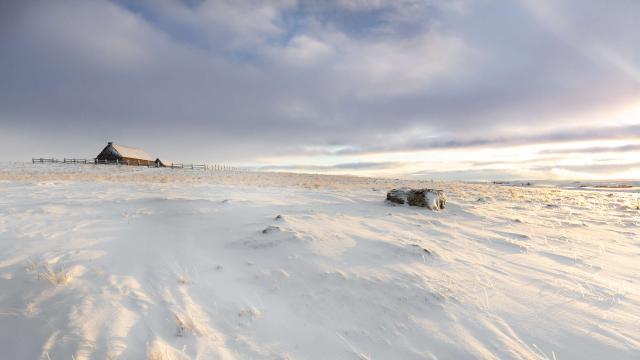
{"x":107,"y":262}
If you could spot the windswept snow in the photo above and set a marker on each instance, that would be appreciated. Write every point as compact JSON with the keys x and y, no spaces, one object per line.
{"x":134,"y":263}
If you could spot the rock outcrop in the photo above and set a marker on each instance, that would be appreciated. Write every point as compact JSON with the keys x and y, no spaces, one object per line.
{"x":398,"y":196}
{"x":429,"y":198}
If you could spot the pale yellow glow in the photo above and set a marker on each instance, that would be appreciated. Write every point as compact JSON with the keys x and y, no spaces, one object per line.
{"x":528,"y":161}
{"x":550,"y":160}
{"x":629,"y":115}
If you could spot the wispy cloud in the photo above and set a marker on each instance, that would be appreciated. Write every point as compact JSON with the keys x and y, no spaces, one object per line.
{"x":569,"y":135}
{"x":595,"y":149}
{"x":339,"y":166}
{"x":607,"y":168}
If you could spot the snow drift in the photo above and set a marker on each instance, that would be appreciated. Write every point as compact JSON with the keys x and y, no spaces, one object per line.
{"x":123,"y":263}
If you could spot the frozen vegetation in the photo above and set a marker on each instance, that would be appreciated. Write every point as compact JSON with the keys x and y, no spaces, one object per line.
{"x":136,"y":263}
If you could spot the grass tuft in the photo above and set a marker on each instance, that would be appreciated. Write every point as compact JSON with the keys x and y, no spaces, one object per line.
{"x":186,"y":324}
{"x":161,"y":351}
{"x":61,"y":276}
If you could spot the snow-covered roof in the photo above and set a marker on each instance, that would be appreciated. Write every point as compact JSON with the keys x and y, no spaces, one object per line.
{"x":131,"y":152}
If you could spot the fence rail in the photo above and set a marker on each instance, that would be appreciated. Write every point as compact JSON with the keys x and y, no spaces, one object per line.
{"x":77,"y":161}
{"x":63,"y":161}
{"x":45,"y":160}
{"x":212,"y":167}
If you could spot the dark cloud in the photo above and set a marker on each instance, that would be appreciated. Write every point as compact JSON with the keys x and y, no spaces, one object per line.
{"x":595,"y":149}
{"x":468,"y":174}
{"x":582,"y":134}
{"x":339,"y":166}
{"x":597,"y":168}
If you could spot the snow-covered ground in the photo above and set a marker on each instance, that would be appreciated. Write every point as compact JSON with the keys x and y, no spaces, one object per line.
{"x":135,"y":263}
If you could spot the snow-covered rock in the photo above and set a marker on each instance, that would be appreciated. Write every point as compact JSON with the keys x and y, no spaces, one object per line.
{"x":398,"y":196}
{"x":429,"y":198}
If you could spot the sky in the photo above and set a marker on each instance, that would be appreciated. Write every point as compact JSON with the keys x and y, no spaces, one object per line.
{"x":449,"y":89}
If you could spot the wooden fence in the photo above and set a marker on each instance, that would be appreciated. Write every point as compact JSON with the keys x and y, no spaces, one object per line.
{"x":42,"y":160}
{"x":77,"y":161}
{"x":213,"y":167}
{"x":63,"y":161}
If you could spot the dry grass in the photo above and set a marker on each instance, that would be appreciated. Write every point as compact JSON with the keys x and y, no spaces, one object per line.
{"x":57,"y":277}
{"x":187,"y":324}
{"x":183,"y":275}
{"x":158,"y":350}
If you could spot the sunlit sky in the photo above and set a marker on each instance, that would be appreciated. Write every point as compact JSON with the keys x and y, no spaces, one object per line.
{"x":450,"y":89}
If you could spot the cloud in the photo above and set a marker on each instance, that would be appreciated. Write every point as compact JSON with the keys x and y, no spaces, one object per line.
{"x":387,"y":69}
{"x":594,"y":149}
{"x":570,"y":135}
{"x":599,"y":169}
{"x":303,"y":50}
{"x":339,"y":166}
{"x":467,"y":175}
{"x":246,"y":80}
{"x":589,"y":30}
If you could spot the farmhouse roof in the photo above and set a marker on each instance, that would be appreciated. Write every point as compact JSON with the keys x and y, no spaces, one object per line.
{"x":131,"y":152}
